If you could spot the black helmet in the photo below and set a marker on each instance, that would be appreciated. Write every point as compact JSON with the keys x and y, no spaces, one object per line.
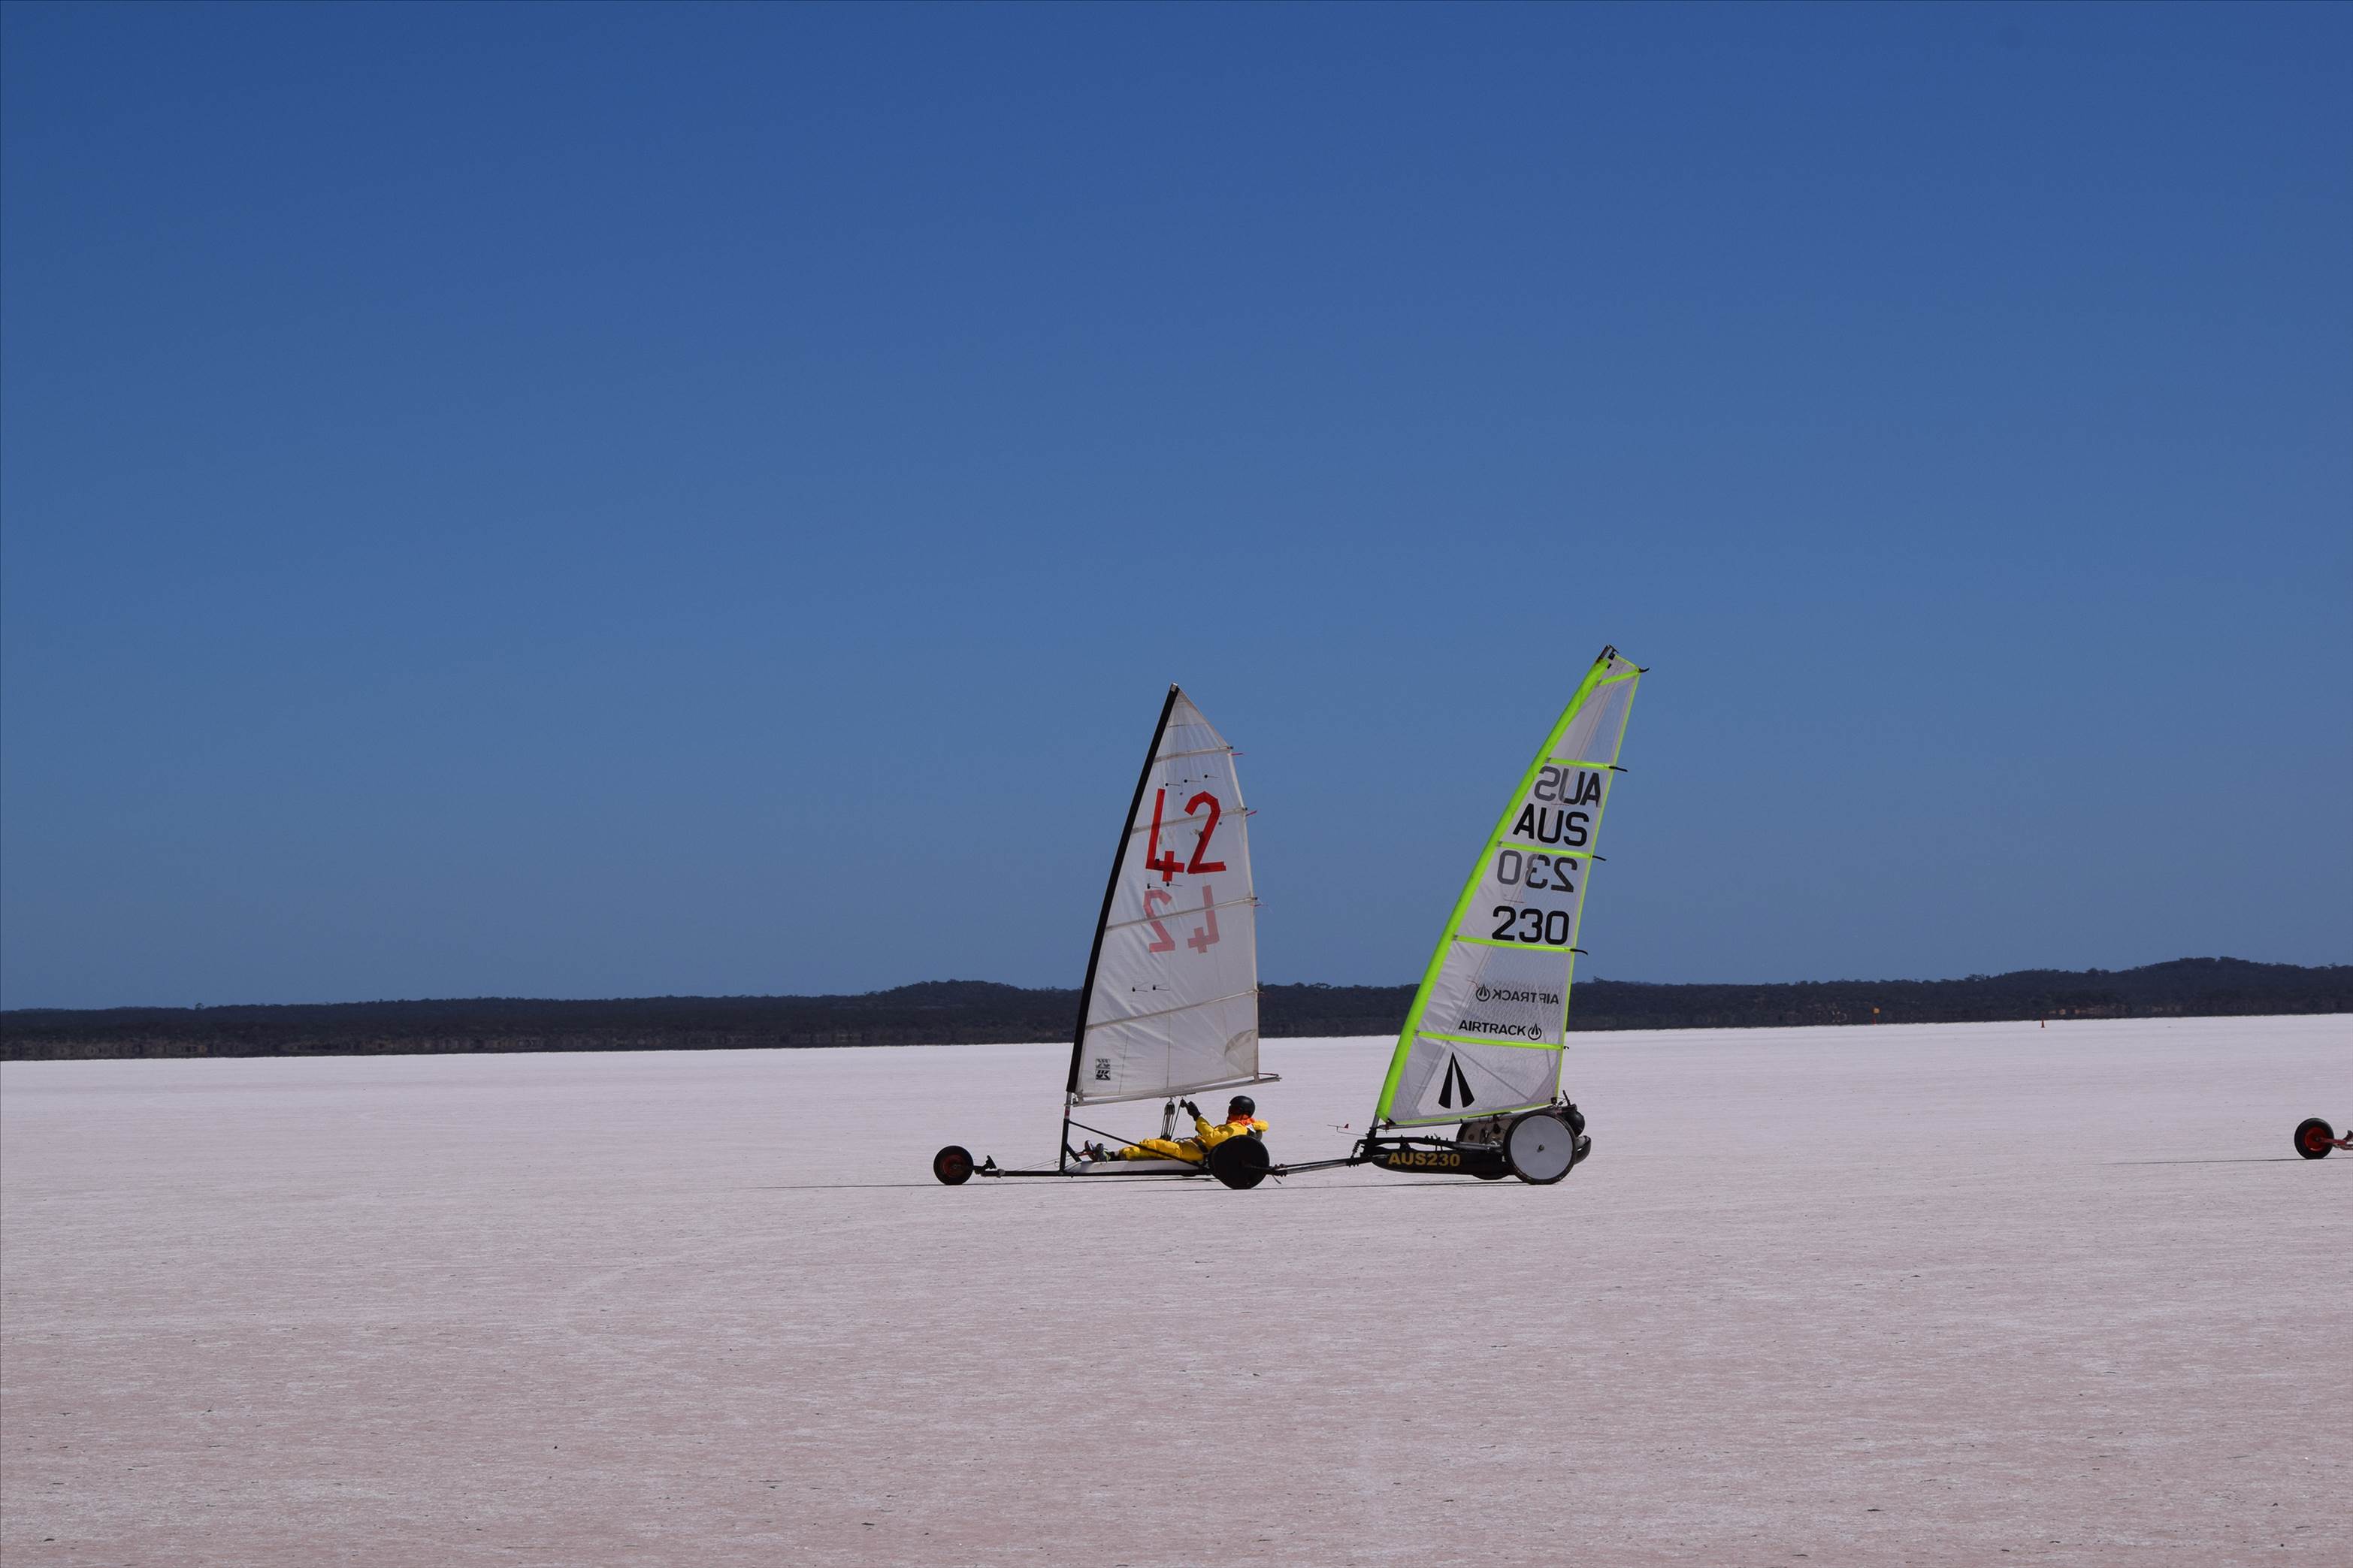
{"x":1243,"y":1103}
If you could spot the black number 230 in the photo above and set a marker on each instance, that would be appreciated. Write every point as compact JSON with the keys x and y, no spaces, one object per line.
{"x":1514,"y":924}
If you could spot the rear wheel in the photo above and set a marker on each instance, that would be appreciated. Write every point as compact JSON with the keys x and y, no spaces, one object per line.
{"x":953,"y":1165}
{"x":1539,"y":1147}
{"x":1239,"y":1162}
{"x":2315,"y":1138}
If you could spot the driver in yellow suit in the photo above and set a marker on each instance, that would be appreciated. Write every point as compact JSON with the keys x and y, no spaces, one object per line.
{"x":1241,"y":1121}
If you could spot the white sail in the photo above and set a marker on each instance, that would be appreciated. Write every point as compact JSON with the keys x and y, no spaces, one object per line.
{"x":1171,"y":1004}
{"x":1487,"y":1027}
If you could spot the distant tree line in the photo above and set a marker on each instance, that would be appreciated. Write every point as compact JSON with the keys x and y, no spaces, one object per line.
{"x":973,"y":1012}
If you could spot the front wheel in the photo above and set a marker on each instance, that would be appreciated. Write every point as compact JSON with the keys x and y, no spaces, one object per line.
{"x":953,"y":1165}
{"x":2315,"y":1138}
{"x":1539,"y":1147}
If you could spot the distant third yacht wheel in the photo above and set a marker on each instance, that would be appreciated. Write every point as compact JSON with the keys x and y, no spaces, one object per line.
{"x":1540,"y":1147}
{"x":2315,"y":1138}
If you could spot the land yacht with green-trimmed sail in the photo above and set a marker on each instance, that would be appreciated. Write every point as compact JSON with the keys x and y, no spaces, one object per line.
{"x":1485,"y":1040}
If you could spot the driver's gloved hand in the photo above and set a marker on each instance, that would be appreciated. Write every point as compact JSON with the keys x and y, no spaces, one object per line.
{"x":1189,"y":1108}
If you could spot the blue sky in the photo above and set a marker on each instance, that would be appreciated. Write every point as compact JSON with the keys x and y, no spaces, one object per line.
{"x":593,"y":501}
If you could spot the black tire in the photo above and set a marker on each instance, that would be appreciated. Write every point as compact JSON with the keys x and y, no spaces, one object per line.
{"x":1539,"y":1148}
{"x":1239,"y":1163}
{"x":2315,"y":1139}
{"x":953,"y":1165}
{"x":1483,"y":1149}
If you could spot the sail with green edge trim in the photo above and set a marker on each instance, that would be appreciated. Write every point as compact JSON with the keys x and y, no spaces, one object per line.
{"x":1486,"y":1029}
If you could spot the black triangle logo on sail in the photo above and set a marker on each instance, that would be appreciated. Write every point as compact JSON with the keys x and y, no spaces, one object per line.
{"x":1455,"y":1079}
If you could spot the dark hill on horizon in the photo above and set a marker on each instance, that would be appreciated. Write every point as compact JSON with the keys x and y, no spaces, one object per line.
{"x":973,"y":1012}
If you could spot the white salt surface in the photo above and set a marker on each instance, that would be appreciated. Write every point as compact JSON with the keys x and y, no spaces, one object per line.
{"x":1950,"y":1295}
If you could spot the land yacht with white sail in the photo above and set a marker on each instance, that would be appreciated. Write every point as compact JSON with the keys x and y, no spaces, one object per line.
{"x":1169,"y":1008}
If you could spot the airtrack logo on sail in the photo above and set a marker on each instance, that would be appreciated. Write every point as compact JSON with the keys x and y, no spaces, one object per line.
{"x":1510,"y":1031}
{"x":1496,"y":994}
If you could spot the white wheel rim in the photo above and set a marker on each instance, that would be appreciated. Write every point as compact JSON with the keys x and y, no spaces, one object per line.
{"x":1542,"y":1148}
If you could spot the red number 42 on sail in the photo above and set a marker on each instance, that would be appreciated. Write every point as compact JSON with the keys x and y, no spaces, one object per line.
{"x":1164,"y":861}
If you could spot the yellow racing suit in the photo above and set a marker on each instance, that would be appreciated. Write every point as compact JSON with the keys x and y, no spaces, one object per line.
{"x":1206,"y":1135}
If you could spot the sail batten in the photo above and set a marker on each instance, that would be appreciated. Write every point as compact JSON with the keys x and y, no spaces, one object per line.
{"x":1490,"y":1020}
{"x":1223,"y":904}
{"x":1166,"y":1012}
{"x":1175,"y":1090}
{"x":1170,"y":1003}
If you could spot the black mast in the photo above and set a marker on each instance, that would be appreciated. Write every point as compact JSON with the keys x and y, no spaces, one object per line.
{"x":1110,"y":892}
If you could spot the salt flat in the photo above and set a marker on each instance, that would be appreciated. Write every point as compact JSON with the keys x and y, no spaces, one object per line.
{"x":1868,"y":1294}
